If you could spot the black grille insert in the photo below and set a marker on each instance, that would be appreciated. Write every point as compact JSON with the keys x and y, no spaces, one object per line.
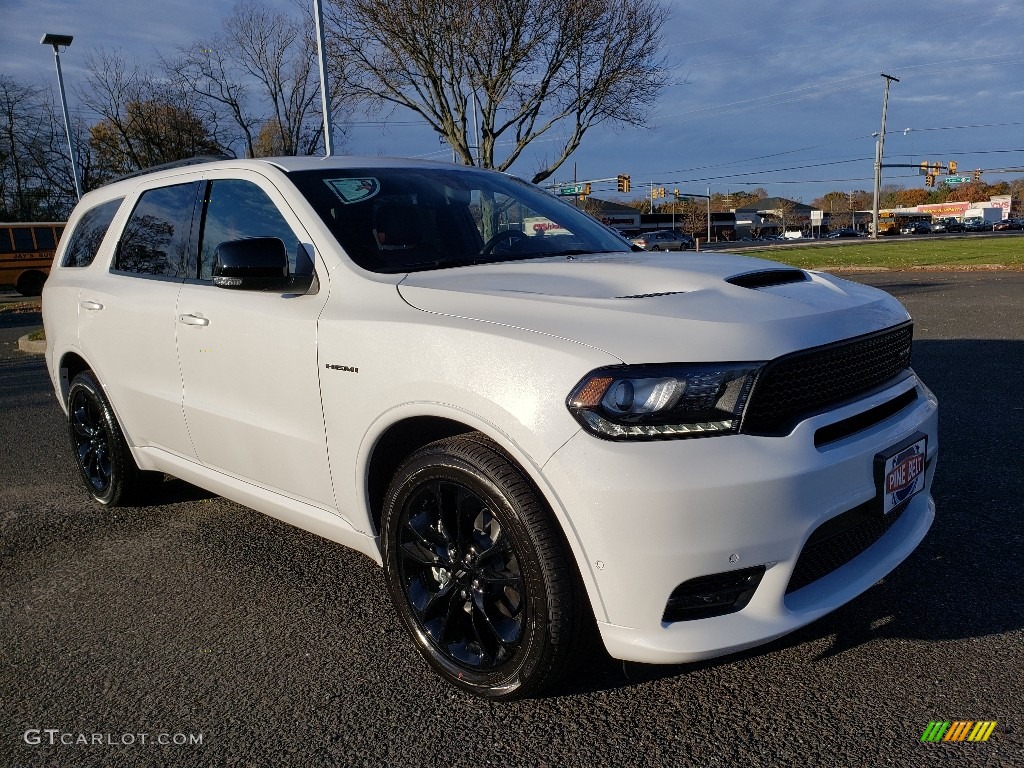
{"x":862,"y":421}
{"x":794,"y":387}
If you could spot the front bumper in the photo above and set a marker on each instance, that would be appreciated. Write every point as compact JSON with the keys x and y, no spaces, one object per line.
{"x":648,"y":516}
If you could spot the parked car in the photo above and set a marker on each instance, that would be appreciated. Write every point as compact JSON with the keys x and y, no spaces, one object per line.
{"x":663,"y":240}
{"x":534,"y":430}
{"x":947,"y":225}
{"x":843,"y":233}
{"x":1006,"y":224}
{"x":977,"y":225}
{"x":916,"y":228}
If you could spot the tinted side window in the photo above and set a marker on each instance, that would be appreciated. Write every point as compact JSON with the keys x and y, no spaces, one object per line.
{"x":5,"y":240}
{"x":23,"y":239}
{"x":155,"y":240}
{"x":44,"y":238}
{"x":89,"y":233}
{"x":236,"y":209}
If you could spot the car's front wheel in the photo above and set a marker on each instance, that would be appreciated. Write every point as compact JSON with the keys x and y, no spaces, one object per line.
{"x":104,"y":460}
{"x":478,"y":571}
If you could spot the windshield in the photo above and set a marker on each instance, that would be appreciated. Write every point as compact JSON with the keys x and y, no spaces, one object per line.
{"x":412,"y":219}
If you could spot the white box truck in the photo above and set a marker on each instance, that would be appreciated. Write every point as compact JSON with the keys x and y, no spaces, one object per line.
{"x":980,"y":219}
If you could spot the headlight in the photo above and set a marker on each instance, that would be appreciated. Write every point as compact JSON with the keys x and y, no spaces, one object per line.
{"x":659,"y":402}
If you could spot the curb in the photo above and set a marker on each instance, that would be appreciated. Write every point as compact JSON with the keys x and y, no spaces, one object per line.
{"x":31,"y":347}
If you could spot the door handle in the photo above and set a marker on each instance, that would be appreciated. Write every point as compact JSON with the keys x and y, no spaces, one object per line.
{"x":193,"y":320}
{"x":89,"y":304}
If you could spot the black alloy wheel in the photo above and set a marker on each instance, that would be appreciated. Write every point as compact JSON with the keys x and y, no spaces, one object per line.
{"x":477,"y":570}
{"x":104,"y":460}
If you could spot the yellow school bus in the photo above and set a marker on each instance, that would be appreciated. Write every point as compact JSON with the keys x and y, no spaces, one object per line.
{"x":26,"y":252}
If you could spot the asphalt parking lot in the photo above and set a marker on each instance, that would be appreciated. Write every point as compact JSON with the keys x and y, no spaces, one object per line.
{"x":197,"y":616}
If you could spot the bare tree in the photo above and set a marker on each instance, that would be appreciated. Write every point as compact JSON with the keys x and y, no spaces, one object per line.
{"x":146,"y":119}
{"x":261,"y":74}
{"x":35,"y":174}
{"x":224,"y":96}
{"x":519,"y":69}
{"x":785,"y":211}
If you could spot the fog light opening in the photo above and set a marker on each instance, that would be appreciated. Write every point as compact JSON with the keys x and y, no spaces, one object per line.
{"x":714,"y":595}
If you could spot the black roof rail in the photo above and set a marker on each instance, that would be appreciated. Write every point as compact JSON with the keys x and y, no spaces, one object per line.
{"x":197,"y":160}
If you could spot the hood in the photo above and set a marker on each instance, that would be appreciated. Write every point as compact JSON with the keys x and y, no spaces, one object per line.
{"x":650,"y":307}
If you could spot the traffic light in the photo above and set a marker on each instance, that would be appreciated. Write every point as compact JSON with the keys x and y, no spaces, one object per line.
{"x":658,"y":192}
{"x":675,"y":194}
{"x":924,"y":169}
{"x":586,"y":189}
{"x":623,"y":182}
{"x":952,"y":167}
{"x":977,"y":174}
{"x":929,"y":180}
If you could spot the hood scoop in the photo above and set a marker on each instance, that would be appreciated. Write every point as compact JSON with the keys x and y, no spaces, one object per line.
{"x":765,"y":278}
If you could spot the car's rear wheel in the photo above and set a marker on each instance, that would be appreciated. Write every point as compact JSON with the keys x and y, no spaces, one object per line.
{"x":104,"y":460}
{"x":478,"y":571}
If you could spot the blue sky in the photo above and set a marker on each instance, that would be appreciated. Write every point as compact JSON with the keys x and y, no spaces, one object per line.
{"x":783,"y":95}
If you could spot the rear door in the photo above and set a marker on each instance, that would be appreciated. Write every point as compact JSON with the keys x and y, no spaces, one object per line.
{"x":126,"y":317}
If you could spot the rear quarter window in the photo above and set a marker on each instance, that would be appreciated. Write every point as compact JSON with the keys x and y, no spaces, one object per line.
{"x":87,"y":235}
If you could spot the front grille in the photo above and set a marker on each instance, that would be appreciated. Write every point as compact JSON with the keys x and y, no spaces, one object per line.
{"x":839,"y":540}
{"x":792,"y":388}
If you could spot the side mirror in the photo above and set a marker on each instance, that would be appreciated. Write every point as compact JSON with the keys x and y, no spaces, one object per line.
{"x":252,"y":264}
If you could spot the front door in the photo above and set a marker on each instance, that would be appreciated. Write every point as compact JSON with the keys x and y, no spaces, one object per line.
{"x":249,"y":358}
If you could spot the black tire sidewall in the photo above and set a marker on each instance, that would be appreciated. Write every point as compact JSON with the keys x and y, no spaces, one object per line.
{"x":122,"y":466}
{"x":516,"y":676}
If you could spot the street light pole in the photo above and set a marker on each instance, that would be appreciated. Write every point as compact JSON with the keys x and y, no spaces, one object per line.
{"x":879,"y":153}
{"x":325,"y":94}
{"x":57,"y":41}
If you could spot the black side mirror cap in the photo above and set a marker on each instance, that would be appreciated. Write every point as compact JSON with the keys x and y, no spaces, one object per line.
{"x":252,"y":263}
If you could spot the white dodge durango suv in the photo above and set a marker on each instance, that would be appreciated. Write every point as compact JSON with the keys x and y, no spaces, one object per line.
{"x":535,"y":431}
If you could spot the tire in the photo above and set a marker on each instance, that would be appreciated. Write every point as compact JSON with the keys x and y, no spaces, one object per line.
{"x":104,"y":460}
{"x":30,"y":283}
{"x":655,"y":248}
{"x":478,"y":571}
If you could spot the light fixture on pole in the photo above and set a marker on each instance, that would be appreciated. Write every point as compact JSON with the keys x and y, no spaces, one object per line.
{"x":879,"y":151}
{"x":57,"y":41}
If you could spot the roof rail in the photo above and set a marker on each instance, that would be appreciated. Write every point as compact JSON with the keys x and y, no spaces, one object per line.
{"x":197,"y":160}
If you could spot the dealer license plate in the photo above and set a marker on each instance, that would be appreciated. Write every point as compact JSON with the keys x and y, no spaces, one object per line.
{"x":900,"y":473}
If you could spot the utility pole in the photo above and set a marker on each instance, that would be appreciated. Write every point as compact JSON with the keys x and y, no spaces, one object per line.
{"x":879,"y":154}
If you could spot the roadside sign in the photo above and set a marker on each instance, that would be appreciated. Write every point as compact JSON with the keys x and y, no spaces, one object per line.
{"x":957,"y":179}
{"x":576,"y":190}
